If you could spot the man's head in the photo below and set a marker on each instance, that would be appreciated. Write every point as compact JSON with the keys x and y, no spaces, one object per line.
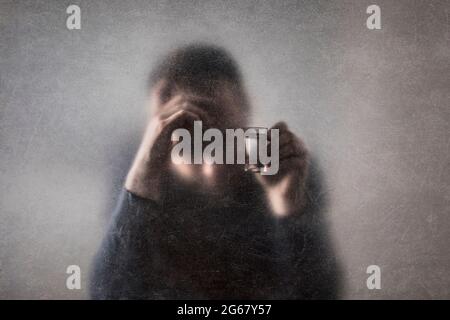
{"x":205,"y":81}
{"x":208,"y":77}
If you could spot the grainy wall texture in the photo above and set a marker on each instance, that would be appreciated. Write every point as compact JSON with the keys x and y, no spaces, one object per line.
{"x":372,"y":105}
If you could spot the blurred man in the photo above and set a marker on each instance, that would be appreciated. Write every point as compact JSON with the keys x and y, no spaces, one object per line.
{"x":212,"y":231}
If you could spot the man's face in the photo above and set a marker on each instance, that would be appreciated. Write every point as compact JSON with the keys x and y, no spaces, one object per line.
{"x":221,"y":106}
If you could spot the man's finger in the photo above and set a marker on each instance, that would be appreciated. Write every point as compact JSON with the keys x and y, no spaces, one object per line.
{"x":181,"y":103}
{"x":289,"y":150}
{"x":286,"y":137}
{"x":180,"y":119}
{"x":281,"y":125}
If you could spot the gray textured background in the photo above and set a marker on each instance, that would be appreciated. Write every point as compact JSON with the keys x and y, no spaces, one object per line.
{"x":373,"y":106}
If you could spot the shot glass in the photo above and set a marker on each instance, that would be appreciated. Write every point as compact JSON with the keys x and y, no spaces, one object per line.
{"x":255,"y":138}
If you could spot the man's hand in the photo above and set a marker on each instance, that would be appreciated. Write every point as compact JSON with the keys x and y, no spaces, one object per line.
{"x":147,"y":176}
{"x":286,"y":189}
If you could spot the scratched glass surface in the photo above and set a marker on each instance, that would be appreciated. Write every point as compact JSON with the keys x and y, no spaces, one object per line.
{"x":371,"y":105}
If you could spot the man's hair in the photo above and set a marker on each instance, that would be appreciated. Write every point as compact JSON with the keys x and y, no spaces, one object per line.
{"x":197,"y":66}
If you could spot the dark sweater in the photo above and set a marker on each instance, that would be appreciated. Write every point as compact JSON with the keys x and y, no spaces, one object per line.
{"x":184,"y":250}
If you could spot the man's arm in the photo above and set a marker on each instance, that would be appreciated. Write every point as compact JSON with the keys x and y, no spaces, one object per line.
{"x":315,"y":269}
{"x":129,"y":264}
{"x":124,"y":267}
{"x":285,"y":190}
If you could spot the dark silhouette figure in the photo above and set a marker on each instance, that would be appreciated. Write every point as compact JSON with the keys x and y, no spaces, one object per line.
{"x":168,"y":240}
